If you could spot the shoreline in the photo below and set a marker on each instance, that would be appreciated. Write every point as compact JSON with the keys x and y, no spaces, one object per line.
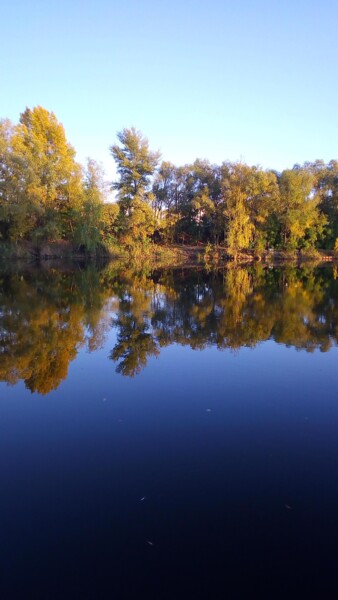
{"x":171,"y":255}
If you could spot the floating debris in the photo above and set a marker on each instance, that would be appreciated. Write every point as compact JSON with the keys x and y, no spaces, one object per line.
{"x":149,"y":543}
{"x":208,"y":410}
{"x":288,"y":507}
{"x":143,"y":498}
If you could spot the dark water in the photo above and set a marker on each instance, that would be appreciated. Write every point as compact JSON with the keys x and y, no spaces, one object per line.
{"x":168,"y":435}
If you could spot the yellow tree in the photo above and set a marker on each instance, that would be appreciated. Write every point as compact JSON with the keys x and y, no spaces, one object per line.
{"x":262,"y":199}
{"x":52,"y":178}
{"x":17,"y":215}
{"x":235,"y":191}
{"x":300,"y":218}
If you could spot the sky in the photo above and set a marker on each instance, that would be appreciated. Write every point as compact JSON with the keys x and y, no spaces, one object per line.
{"x":250,"y":80}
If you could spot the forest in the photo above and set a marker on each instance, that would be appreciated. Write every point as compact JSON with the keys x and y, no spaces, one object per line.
{"x":47,"y":197}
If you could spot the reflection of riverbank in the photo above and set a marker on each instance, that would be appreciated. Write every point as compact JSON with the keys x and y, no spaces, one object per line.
{"x":53,"y":251}
{"x":56,"y":254}
{"x":48,"y":314}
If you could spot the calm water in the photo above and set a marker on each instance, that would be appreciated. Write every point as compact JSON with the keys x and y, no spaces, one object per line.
{"x":168,"y":435}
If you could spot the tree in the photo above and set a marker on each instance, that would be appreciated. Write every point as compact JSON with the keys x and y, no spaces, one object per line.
{"x":165,"y":193}
{"x":138,"y":226}
{"x":300,"y":219}
{"x":17,"y":214}
{"x":135,"y":165}
{"x":90,"y":218}
{"x":326,"y":186}
{"x":165,"y":189}
{"x":235,"y":191}
{"x":203,"y":209}
{"x":110,"y":219}
{"x":51,"y":178}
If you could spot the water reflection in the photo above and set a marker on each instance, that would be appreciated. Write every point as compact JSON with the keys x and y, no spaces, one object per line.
{"x":47,"y":315}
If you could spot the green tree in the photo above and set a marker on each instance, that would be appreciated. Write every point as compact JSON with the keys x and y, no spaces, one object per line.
{"x":90,"y":218}
{"x":135,"y":166}
{"x":326,"y":185}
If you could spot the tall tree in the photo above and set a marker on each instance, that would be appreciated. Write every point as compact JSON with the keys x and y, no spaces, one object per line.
{"x":326,"y":185}
{"x":300,"y":219}
{"x":236,"y":189}
{"x":90,"y":216}
{"x":135,"y":166}
{"x":52,"y":179}
{"x":17,"y":214}
{"x":262,"y":199}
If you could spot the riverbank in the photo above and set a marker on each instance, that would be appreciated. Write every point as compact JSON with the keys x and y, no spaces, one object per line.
{"x":157,"y":255}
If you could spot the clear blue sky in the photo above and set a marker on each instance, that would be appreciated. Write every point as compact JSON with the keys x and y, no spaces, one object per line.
{"x":229,"y":79}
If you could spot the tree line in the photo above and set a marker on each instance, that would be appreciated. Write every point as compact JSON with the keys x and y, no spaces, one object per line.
{"x":46,"y":196}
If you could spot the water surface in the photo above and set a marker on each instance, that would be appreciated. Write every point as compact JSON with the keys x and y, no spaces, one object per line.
{"x":168,"y":434}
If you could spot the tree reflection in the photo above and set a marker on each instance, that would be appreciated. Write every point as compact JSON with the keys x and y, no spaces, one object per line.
{"x":46,"y":316}
{"x":135,"y":341}
{"x":238,"y":307}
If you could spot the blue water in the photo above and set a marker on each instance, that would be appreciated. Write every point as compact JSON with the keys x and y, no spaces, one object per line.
{"x":208,"y":474}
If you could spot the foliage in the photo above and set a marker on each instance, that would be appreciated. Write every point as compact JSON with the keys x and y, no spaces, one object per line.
{"x":46,"y":197}
{"x":90,"y":217}
{"x":301,"y":222}
{"x":52,"y":178}
{"x":135,"y":166}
